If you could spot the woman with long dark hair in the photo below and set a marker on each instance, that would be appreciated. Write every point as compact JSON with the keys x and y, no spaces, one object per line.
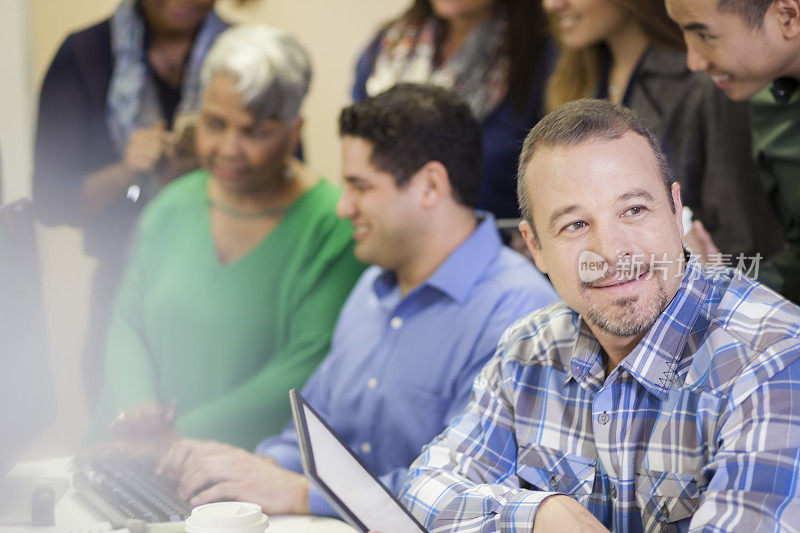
{"x":492,"y":53}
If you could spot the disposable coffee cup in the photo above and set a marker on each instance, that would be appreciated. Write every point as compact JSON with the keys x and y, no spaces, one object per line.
{"x":227,"y":517}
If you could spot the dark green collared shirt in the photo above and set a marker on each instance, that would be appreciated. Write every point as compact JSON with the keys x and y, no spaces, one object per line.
{"x":775,"y":124}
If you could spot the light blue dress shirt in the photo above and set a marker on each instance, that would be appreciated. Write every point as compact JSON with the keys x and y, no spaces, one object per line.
{"x":401,"y":367}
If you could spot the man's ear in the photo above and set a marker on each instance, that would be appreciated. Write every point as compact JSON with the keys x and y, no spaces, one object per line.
{"x":433,"y":183}
{"x":788,"y":12}
{"x":533,"y":244}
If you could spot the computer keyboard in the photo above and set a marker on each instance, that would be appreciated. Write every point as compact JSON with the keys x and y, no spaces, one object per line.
{"x":127,"y":491}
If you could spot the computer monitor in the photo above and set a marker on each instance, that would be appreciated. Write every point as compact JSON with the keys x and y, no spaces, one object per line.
{"x":26,"y":382}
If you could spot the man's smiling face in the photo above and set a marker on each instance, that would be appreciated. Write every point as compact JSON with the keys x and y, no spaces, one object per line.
{"x":606,"y":200}
{"x":741,"y":58}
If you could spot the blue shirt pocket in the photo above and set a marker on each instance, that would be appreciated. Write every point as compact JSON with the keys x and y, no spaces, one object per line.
{"x":666,"y":498}
{"x":552,"y":470}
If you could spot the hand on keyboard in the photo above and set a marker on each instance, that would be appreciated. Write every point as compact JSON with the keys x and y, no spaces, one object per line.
{"x":174,"y":461}
{"x":208,"y":471}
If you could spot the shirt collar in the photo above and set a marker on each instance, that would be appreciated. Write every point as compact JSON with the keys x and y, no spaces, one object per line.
{"x":654,"y":361}
{"x":584,"y":363}
{"x":462,"y":269}
{"x":384,"y":284}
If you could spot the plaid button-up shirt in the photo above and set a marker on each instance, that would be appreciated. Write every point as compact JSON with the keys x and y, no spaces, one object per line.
{"x":698,"y":429}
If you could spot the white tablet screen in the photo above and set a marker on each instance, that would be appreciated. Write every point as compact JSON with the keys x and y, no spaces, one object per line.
{"x":352,"y":484}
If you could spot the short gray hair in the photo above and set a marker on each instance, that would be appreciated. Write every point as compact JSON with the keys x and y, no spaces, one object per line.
{"x":272,"y":69}
{"x":751,"y":11}
{"x":577,"y":122}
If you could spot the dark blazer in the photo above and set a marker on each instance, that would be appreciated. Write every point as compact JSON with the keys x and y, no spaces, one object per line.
{"x":72,"y":140}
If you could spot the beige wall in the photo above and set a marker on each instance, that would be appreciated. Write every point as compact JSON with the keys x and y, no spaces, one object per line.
{"x":53,"y":20}
{"x":334,"y":32}
{"x":16,"y":100}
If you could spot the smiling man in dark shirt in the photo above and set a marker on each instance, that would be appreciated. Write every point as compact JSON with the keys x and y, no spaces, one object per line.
{"x":751,"y":49}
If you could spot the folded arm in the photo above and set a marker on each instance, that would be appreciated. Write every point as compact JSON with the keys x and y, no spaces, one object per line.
{"x":467,"y":476}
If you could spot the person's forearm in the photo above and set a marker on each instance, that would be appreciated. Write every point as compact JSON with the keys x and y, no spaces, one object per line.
{"x":259,"y":406}
{"x":104,"y":187}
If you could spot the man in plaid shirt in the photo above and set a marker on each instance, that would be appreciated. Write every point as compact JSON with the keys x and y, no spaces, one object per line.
{"x":659,"y":396}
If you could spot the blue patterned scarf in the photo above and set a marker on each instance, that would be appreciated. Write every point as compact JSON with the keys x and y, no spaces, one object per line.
{"x":132,"y":99}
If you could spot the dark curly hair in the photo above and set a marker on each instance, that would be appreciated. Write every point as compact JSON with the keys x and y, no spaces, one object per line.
{"x":410,"y":125}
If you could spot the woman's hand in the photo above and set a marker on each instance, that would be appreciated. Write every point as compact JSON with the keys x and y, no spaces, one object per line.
{"x":180,"y":156}
{"x":146,"y":429}
{"x":151,"y":150}
{"x":146,"y":147}
{"x":145,"y":419}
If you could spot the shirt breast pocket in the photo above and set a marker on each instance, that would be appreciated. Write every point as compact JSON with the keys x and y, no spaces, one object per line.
{"x":411,"y":417}
{"x":552,"y":470}
{"x":666,"y":498}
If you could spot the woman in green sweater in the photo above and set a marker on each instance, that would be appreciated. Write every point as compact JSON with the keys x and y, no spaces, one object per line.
{"x":240,"y":268}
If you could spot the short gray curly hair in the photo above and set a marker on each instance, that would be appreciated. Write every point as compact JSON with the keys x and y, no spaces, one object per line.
{"x":272,"y":69}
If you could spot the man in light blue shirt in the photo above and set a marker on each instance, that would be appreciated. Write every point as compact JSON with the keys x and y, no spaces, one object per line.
{"x":418,"y":325}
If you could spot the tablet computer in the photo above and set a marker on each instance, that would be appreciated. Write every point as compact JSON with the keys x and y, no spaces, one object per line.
{"x":344,"y":480}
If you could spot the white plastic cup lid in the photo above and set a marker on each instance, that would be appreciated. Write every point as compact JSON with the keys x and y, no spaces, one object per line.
{"x":219,"y":517}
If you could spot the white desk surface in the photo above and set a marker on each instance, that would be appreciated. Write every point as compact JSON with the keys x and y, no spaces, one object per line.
{"x":73,"y":516}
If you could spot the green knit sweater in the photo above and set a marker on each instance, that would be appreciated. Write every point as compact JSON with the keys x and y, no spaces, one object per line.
{"x":226,"y":342}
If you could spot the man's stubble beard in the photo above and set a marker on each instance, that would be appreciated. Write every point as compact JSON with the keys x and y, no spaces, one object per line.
{"x":630,"y":321}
